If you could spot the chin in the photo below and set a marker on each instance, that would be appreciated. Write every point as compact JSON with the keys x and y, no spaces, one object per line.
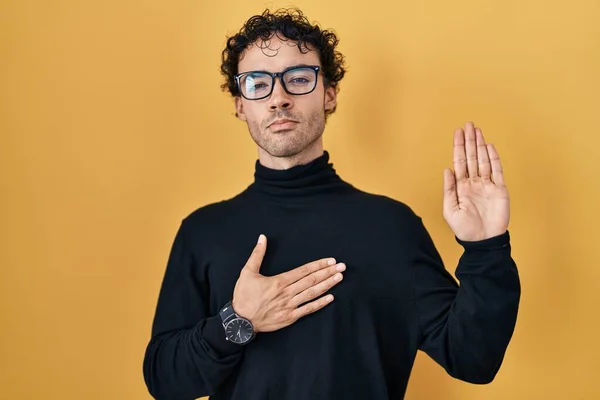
{"x":282,"y":151}
{"x":285,"y":143}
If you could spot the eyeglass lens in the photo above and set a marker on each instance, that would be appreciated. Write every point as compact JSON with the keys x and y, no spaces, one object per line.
{"x":295,"y":81}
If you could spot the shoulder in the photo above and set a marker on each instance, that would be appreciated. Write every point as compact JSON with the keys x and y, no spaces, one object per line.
{"x":212,"y":214}
{"x":386,"y":206}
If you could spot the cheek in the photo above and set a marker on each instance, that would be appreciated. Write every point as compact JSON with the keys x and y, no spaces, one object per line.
{"x":312,"y":109}
{"x":312,"y":103}
{"x":254,"y":114}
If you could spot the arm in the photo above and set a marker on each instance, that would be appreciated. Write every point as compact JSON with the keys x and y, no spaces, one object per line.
{"x":187,"y":356}
{"x":467,"y":329}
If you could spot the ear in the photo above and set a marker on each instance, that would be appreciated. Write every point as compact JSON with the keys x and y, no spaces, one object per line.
{"x":239,"y":108}
{"x":330,"y":98}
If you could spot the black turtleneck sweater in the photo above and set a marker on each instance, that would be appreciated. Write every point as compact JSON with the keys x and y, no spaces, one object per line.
{"x":396,"y":297}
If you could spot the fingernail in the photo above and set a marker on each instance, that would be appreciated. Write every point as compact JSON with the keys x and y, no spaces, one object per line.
{"x":331,"y":262}
{"x":341,"y":267}
{"x":337,"y":277}
{"x":261,"y":239}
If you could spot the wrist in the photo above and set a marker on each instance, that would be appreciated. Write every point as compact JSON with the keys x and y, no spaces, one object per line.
{"x":495,"y":242}
{"x":238,"y":329}
{"x":240,"y":311}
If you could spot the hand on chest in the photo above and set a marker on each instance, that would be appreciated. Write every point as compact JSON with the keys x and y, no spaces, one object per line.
{"x":371,"y":273}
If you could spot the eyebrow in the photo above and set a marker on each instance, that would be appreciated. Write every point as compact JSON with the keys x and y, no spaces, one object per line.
{"x":284,"y":69}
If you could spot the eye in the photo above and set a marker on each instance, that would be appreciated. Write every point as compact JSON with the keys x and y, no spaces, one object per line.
{"x":257,"y":86}
{"x":299,"y":80}
{"x":300,"y":77}
{"x":256,"y":81}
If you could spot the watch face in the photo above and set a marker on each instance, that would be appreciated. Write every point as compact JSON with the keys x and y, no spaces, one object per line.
{"x":239,"y":330}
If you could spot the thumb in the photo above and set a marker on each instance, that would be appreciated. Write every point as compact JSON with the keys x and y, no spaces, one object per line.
{"x":450,"y":195}
{"x":258,"y":254}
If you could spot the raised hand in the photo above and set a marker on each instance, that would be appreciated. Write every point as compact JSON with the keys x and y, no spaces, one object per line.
{"x":476,"y":201}
{"x":272,"y":303}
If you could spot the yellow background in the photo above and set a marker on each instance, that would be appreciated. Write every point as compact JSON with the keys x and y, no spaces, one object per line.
{"x":113,"y":128}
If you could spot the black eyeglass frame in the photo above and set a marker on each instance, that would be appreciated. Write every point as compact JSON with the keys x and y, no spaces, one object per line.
{"x":279,"y":75}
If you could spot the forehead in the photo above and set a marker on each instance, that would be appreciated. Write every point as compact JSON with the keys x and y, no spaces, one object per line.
{"x":276,"y":54}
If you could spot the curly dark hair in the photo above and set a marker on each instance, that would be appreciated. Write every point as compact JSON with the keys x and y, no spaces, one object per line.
{"x":289,"y":24}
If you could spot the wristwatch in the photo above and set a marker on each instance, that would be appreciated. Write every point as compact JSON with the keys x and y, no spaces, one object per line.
{"x":238,"y":330}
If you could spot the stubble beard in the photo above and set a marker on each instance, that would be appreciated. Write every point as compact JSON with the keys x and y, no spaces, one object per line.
{"x":288,"y":143}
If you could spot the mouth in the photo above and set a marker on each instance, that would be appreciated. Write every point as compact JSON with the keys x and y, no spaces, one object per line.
{"x":282,"y":124}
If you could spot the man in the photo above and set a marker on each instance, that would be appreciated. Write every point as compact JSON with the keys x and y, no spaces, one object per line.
{"x":237,"y":319}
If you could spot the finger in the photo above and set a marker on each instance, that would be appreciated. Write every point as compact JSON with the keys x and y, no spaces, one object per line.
{"x":290,"y":277}
{"x":485,"y":169}
{"x":311,"y":307}
{"x":450,"y":203}
{"x":317,"y":290}
{"x":315,"y":278}
{"x":471,"y":150}
{"x":460,"y":158}
{"x":258,"y":254}
{"x":497,"y":173}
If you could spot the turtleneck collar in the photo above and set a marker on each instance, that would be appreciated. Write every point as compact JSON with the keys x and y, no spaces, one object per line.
{"x":317,"y":176}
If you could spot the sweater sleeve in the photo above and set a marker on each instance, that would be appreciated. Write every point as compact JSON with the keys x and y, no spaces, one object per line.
{"x":187,"y":356}
{"x":467,"y":328}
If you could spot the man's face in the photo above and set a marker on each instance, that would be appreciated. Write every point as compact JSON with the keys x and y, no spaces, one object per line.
{"x":306,"y":112}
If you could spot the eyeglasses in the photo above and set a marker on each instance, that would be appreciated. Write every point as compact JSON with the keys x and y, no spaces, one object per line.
{"x":257,"y":85}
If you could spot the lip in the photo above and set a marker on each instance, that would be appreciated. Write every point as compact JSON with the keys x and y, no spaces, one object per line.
{"x":282,"y":124}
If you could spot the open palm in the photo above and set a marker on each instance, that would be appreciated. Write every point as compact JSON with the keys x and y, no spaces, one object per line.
{"x":476,"y":201}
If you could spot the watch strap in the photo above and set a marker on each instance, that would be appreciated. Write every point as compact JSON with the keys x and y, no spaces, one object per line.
{"x":227,"y":313}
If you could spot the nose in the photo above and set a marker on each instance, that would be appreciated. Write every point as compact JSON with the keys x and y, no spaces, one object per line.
{"x":280,"y":99}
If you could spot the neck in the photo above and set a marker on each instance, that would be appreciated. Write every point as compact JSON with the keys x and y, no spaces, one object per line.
{"x":300,"y":183}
